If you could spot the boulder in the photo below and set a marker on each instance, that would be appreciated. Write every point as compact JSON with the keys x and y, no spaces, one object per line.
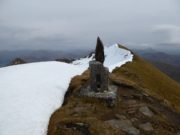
{"x":146,"y":111}
{"x":124,"y":125}
{"x":146,"y":127}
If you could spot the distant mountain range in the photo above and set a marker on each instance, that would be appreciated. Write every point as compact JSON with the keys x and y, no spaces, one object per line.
{"x":170,"y":70}
{"x":167,"y":63}
{"x":153,"y":55}
{"x":6,"y":57}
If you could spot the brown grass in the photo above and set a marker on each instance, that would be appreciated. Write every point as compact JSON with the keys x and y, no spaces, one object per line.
{"x":144,"y":76}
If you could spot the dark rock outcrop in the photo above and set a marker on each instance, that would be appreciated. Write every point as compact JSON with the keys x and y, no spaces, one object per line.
{"x":17,"y":61}
{"x":66,"y":60}
{"x":99,"y":53}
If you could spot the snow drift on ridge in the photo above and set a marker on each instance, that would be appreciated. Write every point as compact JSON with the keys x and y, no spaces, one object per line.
{"x":114,"y":57}
{"x":30,"y":93}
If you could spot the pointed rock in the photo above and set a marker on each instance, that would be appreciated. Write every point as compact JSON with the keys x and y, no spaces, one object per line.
{"x":99,"y":53}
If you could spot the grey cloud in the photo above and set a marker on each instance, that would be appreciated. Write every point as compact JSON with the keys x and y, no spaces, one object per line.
{"x":22,"y":39}
{"x":64,"y":24}
{"x":169,"y":33}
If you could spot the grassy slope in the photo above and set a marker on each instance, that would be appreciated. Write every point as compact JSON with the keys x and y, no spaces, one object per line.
{"x":148,"y":78}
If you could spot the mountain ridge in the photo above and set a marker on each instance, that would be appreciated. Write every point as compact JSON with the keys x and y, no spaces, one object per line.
{"x":139,"y":84}
{"x":137,"y":68}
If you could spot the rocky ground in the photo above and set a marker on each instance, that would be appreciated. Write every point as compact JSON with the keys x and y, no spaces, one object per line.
{"x":134,"y":113}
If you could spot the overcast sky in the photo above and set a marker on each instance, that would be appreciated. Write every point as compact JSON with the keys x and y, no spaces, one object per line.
{"x":64,"y":24}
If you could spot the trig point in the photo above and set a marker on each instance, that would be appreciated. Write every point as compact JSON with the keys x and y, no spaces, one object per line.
{"x":98,"y":86}
{"x":99,"y":75}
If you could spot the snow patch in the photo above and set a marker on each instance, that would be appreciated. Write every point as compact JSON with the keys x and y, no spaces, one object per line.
{"x":30,"y":93}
